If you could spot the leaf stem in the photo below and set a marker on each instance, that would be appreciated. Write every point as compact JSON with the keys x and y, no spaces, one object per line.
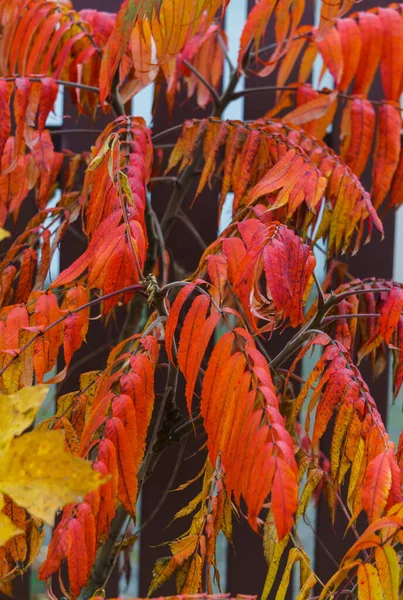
{"x":73,"y":84}
{"x":130,"y":288}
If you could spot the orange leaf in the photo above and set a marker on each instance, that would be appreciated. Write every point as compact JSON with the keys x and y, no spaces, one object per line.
{"x":375,"y":491}
{"x":218,"y":360}
{"x":331,"y":51}
{"x":27,"y":269}
{"x":350,"y":41}
{"x":362,"y":125}
{"x":371,"y":49}
{"x":255,"y":26}
{"x":312,"y":110}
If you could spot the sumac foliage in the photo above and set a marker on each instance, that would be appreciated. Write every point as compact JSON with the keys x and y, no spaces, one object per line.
{"x":260,"y":427}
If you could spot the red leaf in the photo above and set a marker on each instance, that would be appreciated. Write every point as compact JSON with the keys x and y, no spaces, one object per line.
{"x":77,"y":557}
{"x":390,"y":314}
{"x":387,"y":322}
{"x":387,"y":151}
{"x":234,"y":250}
{"x":173,"y":317}
{"x":59,"y":548}
{"x":72,"y":340}
{"x":284,"y":497}
{"x":5,"y":116}
{"x":86,"y":518}
{"x":49,"y":90}
{"x":47,"y":346}
{"x":123,"y":409}
{"x":127,"y":484}
{"x":392,"y":53}
{"x":21,"y":100}
{"x":192,"y":331}
{"x":116,"y":45}
{"x":140,"y":386}
{"x":107,"y":503}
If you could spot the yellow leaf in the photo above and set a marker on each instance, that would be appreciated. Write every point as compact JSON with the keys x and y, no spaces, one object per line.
{"x":226,"y":524}
{"x":189,"y":508}
{"x":165,"y":567}
{"x":7,"y":528}
{"x":124,"y":182}
{"x":36,"y":533}
{"x":387,"y":564}
{"x":270,"y":538}
{"x":273,"y":567}
{"x":369,"y":586}
{"x":97,"y":160}
{"x":17,"y":411}
{"x":355,"y":473}
{"x":337,"y":579}
{"x":295,"y":555}
{"x":312,"y":482}
{"x":41,"y":476}
{"x":193,"y":578}
{"x":161,"y":573}
{"x":4,"y":234}
{"x":304,"y":592}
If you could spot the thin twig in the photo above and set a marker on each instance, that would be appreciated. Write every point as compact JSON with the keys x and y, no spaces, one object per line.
{"x":214,"y":96}
{"x":182,"y":217}
{"x":321,"y":295}
{"x":332,"y":318}
{"x":225,"y":52}
{"x":168,"y":488}
{"x":348,"y":516}
{"x":68,"y":131}
{"x":156,"y":136}
{"x":294,"y":89}
{"x":165,"y":179}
